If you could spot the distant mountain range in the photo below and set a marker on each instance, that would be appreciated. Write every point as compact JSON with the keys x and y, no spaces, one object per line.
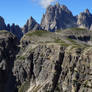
{"x":57,"y":17}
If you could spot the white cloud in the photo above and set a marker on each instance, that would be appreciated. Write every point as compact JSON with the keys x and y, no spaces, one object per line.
{"x":46,"y":3}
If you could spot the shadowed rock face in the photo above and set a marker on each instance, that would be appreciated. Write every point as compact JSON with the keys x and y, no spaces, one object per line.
{"x":51,"y":68}
{"x":31,"y":25}
{"x":48,"y":62}
{"x":8,"y":51}
{"x":2,"y":24}
{"x":15,"y":29}
{"x":45,"y":61}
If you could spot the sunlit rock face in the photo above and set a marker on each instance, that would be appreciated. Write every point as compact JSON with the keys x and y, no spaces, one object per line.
{"x":57,"y":17}
{"x":31,"y":25}
{"x":85,"y":19}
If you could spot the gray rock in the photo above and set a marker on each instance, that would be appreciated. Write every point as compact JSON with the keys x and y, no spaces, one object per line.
{"x":85,"y":19}
{"x":16,"y":30}
{"x":2,"y":24}
{"x":58,"y":17}
{"x":31,"y":25}
{"x":8,"y":50}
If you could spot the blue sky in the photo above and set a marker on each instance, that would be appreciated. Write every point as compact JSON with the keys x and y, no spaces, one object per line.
{"x":18,"y":11}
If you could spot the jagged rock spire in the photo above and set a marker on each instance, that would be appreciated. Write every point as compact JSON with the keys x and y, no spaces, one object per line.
{"x":31,"y":25}
{"x":57,"y":17}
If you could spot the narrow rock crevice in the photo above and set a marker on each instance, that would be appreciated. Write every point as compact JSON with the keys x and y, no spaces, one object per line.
{"x":58,"y":70}
{"x":31,"y":75}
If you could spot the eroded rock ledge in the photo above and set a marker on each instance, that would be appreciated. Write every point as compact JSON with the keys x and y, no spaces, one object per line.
{"x":53,"y":68}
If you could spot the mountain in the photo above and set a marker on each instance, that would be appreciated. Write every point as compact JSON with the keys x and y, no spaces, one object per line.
{"x":31,"y":25}
{"x":15,"y":29}
{"x":2,"y":23}
{"x":85,"y":19}
{"x":8,"y":51}
{"x":46,"y":61}
{"x":58,"y":17}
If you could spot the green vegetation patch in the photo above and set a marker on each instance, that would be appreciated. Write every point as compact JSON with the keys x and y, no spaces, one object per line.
{"x":61,"y":42}
{"x":78,"y":29}
{"x":37,"y":33}
{"x":24,"y":87}
{"x":72,"y":41}
{"x":21,"y":57}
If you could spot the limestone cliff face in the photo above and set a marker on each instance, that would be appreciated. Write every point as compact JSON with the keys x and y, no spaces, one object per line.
{"x":8,"y":51}
{"x":60,"y":17}
{"x":57,"y":17}
{"x":15,"y":29}
{"x":46,"y":62}
{"x":2,"y":24}
{"x":31,"y":25}
{"x":53,"y":66}
{"x":85,"y":19}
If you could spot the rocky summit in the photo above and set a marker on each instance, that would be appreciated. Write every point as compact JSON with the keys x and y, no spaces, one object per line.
{"x":15,"y":29}
{"x":54,"y":56}
{"x":60,"y":17}
{"x":31,"y":25}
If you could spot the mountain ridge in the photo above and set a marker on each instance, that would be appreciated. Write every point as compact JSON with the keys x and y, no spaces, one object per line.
{"x":56,"y":17}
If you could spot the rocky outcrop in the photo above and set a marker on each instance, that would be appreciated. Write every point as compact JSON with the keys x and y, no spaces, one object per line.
{"x":2,"y":24}
{"x":58,"y":17}
{"x":8,"y":51}
{"x":45,"y":62}
{"x":31,"y":25}
{"x":85,"y":19}
{"x":53,"y":68}
{"x":16,"y":30}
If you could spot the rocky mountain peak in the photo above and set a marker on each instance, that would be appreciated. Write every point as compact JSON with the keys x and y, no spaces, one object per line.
{"x":31,"y":25}
{"x":16,"y":30}
{"x":2,"y":23}
{"x":87,"y":11}
{"x":31,"y":20}
{"x":57,"y":17}
{"x":85,"y":19}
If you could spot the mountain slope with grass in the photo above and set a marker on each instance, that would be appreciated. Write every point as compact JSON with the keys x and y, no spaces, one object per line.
{"x":54,"y":62}
{"x":45,"y":61}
